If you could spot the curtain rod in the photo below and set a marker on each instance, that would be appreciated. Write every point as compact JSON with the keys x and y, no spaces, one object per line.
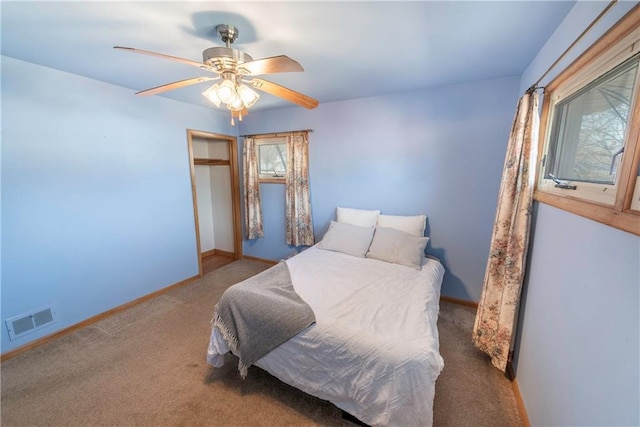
{"x":273,"y":135}
{"x":572,"y":45}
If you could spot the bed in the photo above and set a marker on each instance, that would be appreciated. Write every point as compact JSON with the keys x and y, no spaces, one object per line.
{"x":373,"y":350}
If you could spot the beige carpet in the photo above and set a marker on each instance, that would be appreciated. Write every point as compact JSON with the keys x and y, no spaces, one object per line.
{"x":146,"y":367}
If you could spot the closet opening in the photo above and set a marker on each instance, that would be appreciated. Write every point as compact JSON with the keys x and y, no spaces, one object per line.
{"x":215,"y":186}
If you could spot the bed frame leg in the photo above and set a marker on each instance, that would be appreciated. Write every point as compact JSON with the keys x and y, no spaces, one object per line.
{"x":347,"y":416}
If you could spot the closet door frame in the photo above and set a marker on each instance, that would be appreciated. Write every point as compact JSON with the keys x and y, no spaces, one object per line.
{"x":232,"y":142}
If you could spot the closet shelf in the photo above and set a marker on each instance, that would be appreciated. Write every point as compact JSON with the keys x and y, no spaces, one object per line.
{"x":211,"y":162}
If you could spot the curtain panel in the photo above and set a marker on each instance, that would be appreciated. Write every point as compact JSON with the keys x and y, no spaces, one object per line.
{"x":299,"y":223}
{"x":496,"y":317}
{"x":252,"y":207}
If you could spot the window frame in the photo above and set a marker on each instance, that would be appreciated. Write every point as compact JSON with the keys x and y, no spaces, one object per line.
{"x":611,"y":50}
{"x":268,"y":178}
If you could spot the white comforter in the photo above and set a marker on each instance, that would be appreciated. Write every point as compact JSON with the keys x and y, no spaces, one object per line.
{"x":373,"y":350}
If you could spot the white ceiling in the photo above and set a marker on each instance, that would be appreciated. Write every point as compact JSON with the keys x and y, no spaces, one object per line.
{"x":348,"y":49}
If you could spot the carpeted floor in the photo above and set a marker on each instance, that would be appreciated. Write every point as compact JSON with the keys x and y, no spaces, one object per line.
{"x":146,"y":367}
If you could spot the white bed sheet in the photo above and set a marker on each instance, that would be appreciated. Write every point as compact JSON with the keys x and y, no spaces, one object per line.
{"x":374,"y":349}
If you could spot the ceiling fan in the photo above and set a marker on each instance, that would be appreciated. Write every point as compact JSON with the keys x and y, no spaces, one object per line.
{"x":235,"y":71}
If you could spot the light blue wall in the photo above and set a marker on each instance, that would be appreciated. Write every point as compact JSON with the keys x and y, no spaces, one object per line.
{"x":96,"y":194}
{"x":96,"y":197}
{"x":438,"y":152}
{"x":577,"y":356}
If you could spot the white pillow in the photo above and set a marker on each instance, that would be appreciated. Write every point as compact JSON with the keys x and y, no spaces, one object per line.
{"x":409,"y":224}
{"x":360,"y":217}
{"x":397,"y":247}
{"x":347,"y":238}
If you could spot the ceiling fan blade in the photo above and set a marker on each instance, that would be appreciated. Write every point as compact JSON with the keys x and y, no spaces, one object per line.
{"x":169,"y":57}
{"x":284,"y":93}
{"x":175,"y":85}
{"x":275,"y":64}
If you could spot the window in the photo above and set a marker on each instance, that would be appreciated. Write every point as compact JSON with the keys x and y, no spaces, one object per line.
{"x":272,"y":159}
{"x":590,"y":123}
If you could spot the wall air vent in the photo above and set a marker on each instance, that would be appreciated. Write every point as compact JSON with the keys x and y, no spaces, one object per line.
{"x":31,"y":321}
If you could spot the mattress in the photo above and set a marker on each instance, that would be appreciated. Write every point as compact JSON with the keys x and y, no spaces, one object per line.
{"x":373,"y":350}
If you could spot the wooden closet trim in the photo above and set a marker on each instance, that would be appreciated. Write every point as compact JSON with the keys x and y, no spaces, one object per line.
{"x":235,"y":187}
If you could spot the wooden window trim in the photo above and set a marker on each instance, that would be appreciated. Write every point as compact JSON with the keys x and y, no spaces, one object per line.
{"x":619,"y":215}
{"x":272,"y":180}
{"x":627,"y":221}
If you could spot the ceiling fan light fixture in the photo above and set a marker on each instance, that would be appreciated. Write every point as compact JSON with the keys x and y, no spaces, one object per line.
{"x":227,"y":91}
{"x":248,"y":95}
{"x":212,"y":95}
{"x":236,"y":104}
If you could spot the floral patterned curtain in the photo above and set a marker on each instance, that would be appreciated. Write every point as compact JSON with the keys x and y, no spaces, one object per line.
{"x":495,"y":322}
{"x":252,"y":208}
{"x":298,"y":197}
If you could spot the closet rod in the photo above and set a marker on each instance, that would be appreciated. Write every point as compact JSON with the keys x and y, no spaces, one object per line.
{"x":273,"y":135}
{"x":572,"y":45}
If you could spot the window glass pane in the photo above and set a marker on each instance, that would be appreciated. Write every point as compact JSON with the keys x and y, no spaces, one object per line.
{"x":273,"y":159}
{"x":589,"y":128}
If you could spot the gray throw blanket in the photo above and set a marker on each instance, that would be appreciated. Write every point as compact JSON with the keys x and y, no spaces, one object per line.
{"x":257,"y":315}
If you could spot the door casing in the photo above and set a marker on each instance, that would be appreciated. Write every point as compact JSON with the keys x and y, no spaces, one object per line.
{"x":235,"y":189}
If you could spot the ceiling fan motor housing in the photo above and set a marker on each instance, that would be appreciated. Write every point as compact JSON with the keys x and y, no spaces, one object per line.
{"x":224,"y":58}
